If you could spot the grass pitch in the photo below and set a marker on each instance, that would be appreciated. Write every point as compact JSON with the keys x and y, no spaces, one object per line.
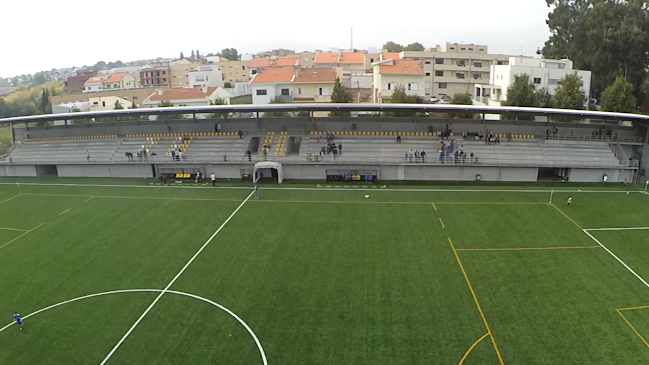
{"x":165,"y":275}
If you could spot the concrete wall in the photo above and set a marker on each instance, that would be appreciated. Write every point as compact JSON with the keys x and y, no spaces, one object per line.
{"x":133,"y":170}
{"x":596,"y":175}
{"x":644,"y":164}
{"x":317,"y":124}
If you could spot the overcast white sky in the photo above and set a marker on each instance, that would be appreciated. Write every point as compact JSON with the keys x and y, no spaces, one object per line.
{"x":43,"y":35}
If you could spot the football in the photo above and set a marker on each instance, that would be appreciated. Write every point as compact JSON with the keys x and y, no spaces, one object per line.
{"x":367,"y":196}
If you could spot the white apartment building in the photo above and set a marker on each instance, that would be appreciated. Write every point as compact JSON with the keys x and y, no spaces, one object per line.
{"x":206,"y":75}
{"x":543,"y":73}
{"x":390,"y":74}
{"x":272,"y":83}
{"x":454,"y":68}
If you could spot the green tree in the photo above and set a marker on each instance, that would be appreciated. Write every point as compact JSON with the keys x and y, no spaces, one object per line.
{"x":544,"y":98}
{"x":182,"y":56}
{"x":45,"y":105}
{"x":461,"y":99}
{"x":117,"y":106}
{"x":276,"y":100}
{"x":569,"y":95}
{"x":340,"y":95}
{"x":399,"y":96}
{"x":229,"y":53}
{"x":414,"y":47}
{"x":392,"y":47}
{"x":192,"y":56}
{"x":227,"y":85}
{"x":522,"y":92}
{"x":618,"y":97}
{"x":608,"y":37}
{"x":218,"y":101}
{"x":168,"y":104}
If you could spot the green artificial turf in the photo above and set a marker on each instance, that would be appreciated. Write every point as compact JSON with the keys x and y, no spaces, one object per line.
{"x":321,"y":276}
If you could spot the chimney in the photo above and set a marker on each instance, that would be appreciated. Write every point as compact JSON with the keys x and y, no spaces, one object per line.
{"x":159,"y":91}
{"x":204,"y":89}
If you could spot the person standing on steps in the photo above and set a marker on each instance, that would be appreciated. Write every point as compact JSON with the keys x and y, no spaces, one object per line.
{"x":213,"y":178}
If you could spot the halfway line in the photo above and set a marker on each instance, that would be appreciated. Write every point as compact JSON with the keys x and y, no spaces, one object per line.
{"x":174,"y":279}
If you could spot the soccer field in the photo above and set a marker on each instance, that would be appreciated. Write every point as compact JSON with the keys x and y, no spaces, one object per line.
{"x":140,"y":274}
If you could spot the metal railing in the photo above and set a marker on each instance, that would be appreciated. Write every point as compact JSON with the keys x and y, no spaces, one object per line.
{"x":559,"y":162}
{"x":591,"y":138}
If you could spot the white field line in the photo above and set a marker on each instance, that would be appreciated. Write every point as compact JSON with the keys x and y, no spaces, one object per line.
{"x":65,"y":211}
{"x":617,"y":229}
{"x":257,"y":342}
{"x":574,"y":190}
{"x":166,"y":289}
{"x":617,"y":258}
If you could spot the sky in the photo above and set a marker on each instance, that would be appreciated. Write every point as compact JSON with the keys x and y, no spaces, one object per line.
{"x":64,"y":33}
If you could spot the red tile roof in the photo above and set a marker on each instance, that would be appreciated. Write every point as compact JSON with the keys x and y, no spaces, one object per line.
{"x":181,"y":94}
{"x":346,"y":58}
{"x":390,"y":56}
{"x":268,"y":62}
{"x":273,"y":75}
{"x":403,"y":67}
{"x":95,"y":80}
{"x":327,"y":75}
{"x":116,"y":77}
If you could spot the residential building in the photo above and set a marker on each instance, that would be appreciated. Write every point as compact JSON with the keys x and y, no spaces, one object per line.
{"x":116,"y":81}
{"x":314,"y":84}
{"x":83,"y":106}
{"x":108,"y":103}
{"x":235,"y":71}
{"x":543,"y":73}
{"x":390,"y":74}
{"x":156,"y":76}
{"x":306,"y":58}
{"x":75,"y":84}
{"x":136,"y":96}
{"x":454,"y":68}
{"x":187,"y":97}
{"x":349,"y":61}
{"x":206,"y":75}
{"x":179,"y":70}
{"x":260,"y":63}
{"x":273,"y":83}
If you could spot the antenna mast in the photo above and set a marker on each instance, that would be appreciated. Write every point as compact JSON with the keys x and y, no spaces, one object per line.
{"x":351,"y":41}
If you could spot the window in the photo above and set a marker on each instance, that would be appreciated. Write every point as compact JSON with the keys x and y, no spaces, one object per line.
{"x":460,"y":86}
{"x":463,"y":49}
{"x":481,"y":49}
{"x":427,"y":85}
{"x":537,"y":80}
{"x":426,"y":62}
{"x":262,"y":92}
{"x":243,"y":68}
{"x":134,"y":98}
{"x":500,"y":63}
{"x":562,"y":65}
{"x":461,"y":63}
{"x":301,"y":91}
{"x":427,"y":94}
{"x":392,"y":85}
{"x":285,"y":92}
{"x":553,"y":82}
{"x":459,"y":75}
{"x":253,"y":72}
{"x":477,"y":64}
{"x":95,"y":103}
{"x":442,"y":85}
{"x":371,"y":60}
{"x":452,"y":48}
{"x":427,"y":73}
{"x":470,"y":49}
{"x":413,"y":86}
{"x":200,"y":78}
{"x":103,"y":103}
{"x":439,"y":61}
{"x":477,"y":76}
{"x":439,"y":73}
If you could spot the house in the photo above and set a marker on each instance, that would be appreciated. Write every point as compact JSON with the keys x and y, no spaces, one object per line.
{"x":115,"y":81}
{"x":543,"y":73}
{"x":100,"y":103}
{"x":314,"y":84}
{"x":187,"y":97}
{"x":390,"y":74}
{"x":136,"y":96}
{"x":156,"y":76}
{"x":260,"y":63}
{"x":179,"y":71}
{"x":75,"y":83}
{"x":206,"y":75}
{"x":272,"y":83}
{"x":349,"y":61}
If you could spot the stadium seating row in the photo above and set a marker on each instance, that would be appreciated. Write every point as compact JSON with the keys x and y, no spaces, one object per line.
{"x":109,"y":136}
{"x":197,"y":134}
{"x":408,"y":134}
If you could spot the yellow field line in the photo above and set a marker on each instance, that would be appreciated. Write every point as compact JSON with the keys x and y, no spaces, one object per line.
{"x":13,"y":197}
{"x":633,"y":328}
{"x":13,"y":229}
{"x":525,"y":248}
{"x":477,"y":303}
{"x":65,"y":211}
{"x":565,"y":215}
{"x":434,"y":207}
{"x":89,"y":199}
{"x":442,"y":223}
{"x":472,"y":347}
{"x":21,"y":235}
{"x":633,"y":308}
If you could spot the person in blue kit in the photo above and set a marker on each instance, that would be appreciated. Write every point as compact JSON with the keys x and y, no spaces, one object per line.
{"x":256,"y":192}
{"x":19,"y":320}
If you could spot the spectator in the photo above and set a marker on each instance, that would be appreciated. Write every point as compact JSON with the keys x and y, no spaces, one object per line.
{"x":240,"y":134}
{"x":423,"y":156}
{"x":398,"y":139}
{"x":416,"y":155}
{"x":249,"y":154}
{"x":340,"y":149}
{"x":218,"y":127}
{"x":472,"y":156}
{"x":441,"y":156}
{"x":480,"y":135}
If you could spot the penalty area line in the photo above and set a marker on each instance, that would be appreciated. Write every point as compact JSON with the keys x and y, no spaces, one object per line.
{"x":166,"y":289}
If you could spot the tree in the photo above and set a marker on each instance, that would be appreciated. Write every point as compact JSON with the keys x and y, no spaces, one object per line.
{"x":414,"y":47}
{"x":276,"y":100}
{"x":392,"y":47}
{"x":522,"y":92}
{"x":569,"y":93}
{"x":618,"y":97}
{"x":461,"y":99}
{"x":340,"y":95}
{"x":198,"y":55}
{"x":118,"y":106}
{"x":168,"y":104}
{"x":229,"y":53}
{"x":45,"y":105}
{"x":218,"y":101}
{"x":608,"y":37}
{"x":192,"y":56}
{"x":227,"y":85}
{"x":182,"y":56}
{"x":399,"y":96}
